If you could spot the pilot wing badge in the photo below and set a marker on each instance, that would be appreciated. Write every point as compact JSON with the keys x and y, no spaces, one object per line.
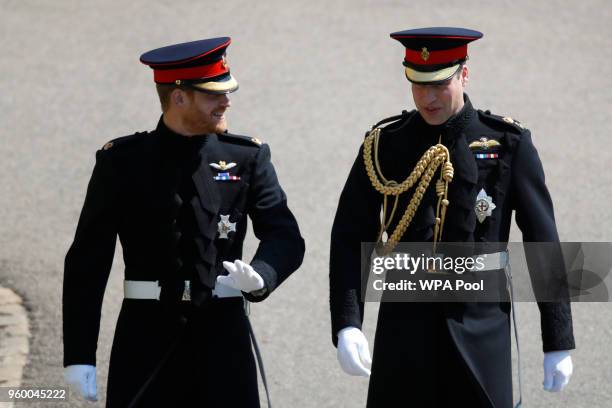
{"x":222,"y":165}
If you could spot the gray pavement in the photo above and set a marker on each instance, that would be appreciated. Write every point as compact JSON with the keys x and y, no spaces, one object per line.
{"x":313,"y":77}
{"x":14,"y":336}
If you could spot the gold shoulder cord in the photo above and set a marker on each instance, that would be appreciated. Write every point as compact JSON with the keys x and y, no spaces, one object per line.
{"x":423,"y":171}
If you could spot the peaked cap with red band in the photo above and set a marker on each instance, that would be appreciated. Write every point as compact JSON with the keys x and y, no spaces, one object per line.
{"x":200,"y":65}
{"x":434,"y":54}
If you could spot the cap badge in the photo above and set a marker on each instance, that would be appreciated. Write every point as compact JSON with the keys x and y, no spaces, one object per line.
{"x":484,"y":205}
{"x":222,"y":165}
{"x":224,"y":62}
{"x":424,"y":54}
{"x":224,"y":227}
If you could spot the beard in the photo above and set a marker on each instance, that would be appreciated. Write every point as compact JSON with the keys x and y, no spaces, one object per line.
{"x":198,"y":123}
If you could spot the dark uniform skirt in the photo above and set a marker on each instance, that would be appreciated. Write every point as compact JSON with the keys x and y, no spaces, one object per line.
{"x":182,"y":356}
{"x":429,"y":354}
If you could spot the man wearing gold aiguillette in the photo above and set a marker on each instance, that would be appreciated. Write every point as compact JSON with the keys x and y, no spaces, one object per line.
{"x":459,"y":174}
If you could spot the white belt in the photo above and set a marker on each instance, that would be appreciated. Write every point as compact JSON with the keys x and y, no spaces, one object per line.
{"x":490,"y":262}
{"x":494,"y":261}
{"x":151,"y":290}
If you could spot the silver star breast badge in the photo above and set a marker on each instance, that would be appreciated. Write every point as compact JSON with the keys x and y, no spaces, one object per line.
{"x":484,"y":205}
{"x":225,"y":226}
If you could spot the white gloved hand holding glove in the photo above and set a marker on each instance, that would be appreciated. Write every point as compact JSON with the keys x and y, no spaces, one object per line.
{"x":82,"y":377}
{"x":241,"y":276}
{"x":558,"y":369}
{"x":354,"y":352}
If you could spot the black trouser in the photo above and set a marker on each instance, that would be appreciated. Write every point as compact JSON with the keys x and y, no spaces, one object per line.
{"x":416,"y":362}
{"x":204,"y":356}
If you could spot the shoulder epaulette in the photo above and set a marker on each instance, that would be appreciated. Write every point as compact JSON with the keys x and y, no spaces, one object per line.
{"x":123,"y":140}
{"x":230,"y":137}
{"x":404,"y":115}
{"x":506,"y":121}
{"x":394,"y":122}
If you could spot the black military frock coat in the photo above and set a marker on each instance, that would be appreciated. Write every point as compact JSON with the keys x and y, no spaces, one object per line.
{"x":156,"y":191}
{"x":444,"y":354}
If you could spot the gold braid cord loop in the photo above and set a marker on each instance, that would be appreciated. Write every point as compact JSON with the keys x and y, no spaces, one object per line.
{"x":422,"y":173}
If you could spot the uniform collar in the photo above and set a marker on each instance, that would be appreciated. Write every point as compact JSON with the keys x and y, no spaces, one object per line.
{"x":457,"y":123}
{"x":453,"y":127}
{"x":176,"y":139}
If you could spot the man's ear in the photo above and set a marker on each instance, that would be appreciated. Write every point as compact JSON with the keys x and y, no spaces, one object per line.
{"x":465,"y":75}
{"x":178,"y":97}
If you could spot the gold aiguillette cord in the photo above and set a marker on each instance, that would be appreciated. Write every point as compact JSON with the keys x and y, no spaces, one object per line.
{"x":423,"y":172}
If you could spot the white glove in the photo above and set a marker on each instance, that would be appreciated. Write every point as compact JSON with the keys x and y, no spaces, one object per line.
{"x":241,"y":276}
{"x":558,"y":369}
{"x":354,"y":352}
{"x":82,"y":377}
